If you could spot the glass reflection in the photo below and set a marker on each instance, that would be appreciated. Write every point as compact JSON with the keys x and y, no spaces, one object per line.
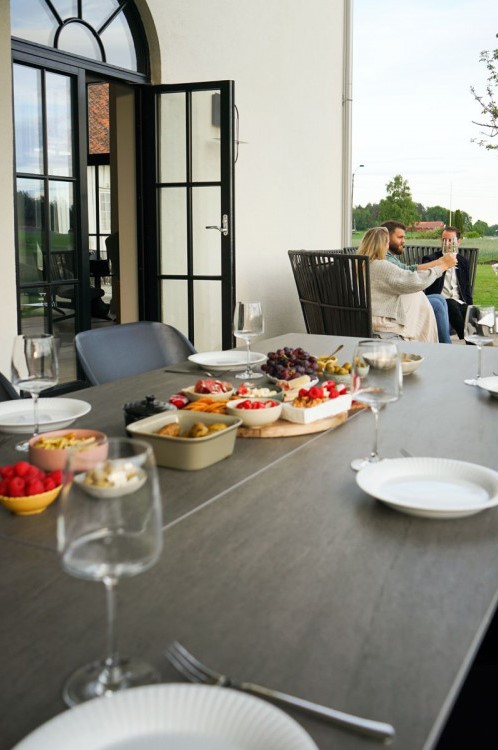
{"x":173,"y":229}
{"x":206,"y":211}
{"x":172,"y":138}
{"x":96,"y":12}
{"x":79,"y":40}
{"x":28,"y":119}
{"x":119,"y":45}
{"x":206,"y":142}
{"x":29,"y":202}
{"x":207,"y":320}
{"x":59,"y":131}
{"x":34,"y":313}
{"x":174,"y":295}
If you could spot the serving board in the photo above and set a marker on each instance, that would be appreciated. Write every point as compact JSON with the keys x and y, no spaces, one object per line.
{"x":282,"y":428}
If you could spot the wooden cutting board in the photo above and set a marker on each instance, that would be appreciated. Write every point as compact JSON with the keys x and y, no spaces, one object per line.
{"x":282,"y":428}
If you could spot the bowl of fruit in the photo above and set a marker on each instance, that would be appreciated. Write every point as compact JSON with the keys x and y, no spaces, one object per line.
{"x":255,"y":412}
{"x":288,"y":363}
{"x":247,"y":390}
{"x":215,"y":389}
{"x":26,"y":489}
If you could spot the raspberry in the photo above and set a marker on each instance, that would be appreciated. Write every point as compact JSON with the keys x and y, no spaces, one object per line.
{"x":7,"y":471}
{"x":34,"y":487}
{"x":56,"y":476}
{"x":4,"y":485}
{"x":33,"y":472}
{"x":16,"y":487}
{"x":21,"y":468}
{"x":48,"y":484}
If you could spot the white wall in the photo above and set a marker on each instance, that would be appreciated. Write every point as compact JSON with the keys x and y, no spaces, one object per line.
{"x":8,"y":316}
{"x":286,"y":58}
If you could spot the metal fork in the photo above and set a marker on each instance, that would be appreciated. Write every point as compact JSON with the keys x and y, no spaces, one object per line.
{"x":195,"y":671}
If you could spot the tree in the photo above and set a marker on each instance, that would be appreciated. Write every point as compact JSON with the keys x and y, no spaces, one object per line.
{"x":366,"y":216}
{"x":487,"y":101}
{"x":399,"y":204}
{"x":435,"y":213}
{"x":481,"y":227}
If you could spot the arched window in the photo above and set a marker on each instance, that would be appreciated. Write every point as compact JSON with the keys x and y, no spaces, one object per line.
{"x":107,"y":31}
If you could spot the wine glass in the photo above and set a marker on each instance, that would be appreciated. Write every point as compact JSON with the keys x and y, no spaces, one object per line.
{"x":34,"y":368}
{"x":109,"y":527}
{"x":381,"y":384}
{"x":248,"y":325}
{"x":479,"y":329}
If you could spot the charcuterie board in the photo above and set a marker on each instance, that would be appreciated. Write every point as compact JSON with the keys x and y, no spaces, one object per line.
{"x":282,"y":428}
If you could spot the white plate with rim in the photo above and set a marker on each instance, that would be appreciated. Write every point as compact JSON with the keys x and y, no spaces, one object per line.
{"x":489,"y":384}
{"x":174,"y":716}
{"x":16,"y":416}
{"x":431,"y":487}
{"x":230,"y":359}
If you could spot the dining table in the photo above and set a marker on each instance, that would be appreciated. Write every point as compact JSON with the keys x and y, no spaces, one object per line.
{"x":277,"y":567}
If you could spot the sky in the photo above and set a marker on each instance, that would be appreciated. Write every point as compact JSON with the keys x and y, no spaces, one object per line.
{"x":414,"y":62}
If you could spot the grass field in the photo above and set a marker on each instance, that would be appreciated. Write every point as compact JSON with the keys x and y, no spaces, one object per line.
{"x":486,"y":284}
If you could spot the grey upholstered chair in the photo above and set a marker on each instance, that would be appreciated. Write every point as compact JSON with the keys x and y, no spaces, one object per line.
{"x":120,"y":351}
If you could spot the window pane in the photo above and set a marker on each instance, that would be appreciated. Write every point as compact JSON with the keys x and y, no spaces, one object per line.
{"x":96,"y":12}
{"x":207,"y":321}
{"x":66,"y":8}
{"x":79,"y":40}
{"x":59,"y":131}
{"x":119,"y":45}
{"x":91,"y":176}
{"x":28,"y":120}
{"x":29,"y":229}
{"x":206,"y":210}
{"x":173,"y":231}
{"x":32,"y":20}
{"x":33,"y":306}
{"x":64,"y":332}
{"x":174,"y":304}
{"x":172,"y":138}
{"x":61,"y":216}
{"x":105,"y":199}
{"x":205,"y":139}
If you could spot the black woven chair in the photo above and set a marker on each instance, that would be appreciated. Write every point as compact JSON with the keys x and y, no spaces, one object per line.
{"x":120,"y":351}
{"x":413,"y":254}
{"x":334,"y":291}
{"x":7,"y":390}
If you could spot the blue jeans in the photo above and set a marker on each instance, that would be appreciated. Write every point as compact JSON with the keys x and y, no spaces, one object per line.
{"x":440,"y":308}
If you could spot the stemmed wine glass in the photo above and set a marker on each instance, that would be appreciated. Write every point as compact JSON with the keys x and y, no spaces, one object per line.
{"x":109,"y":527}
{"x":381,"y":384}
{"x":479,"y":329}
{"x":34,"y":368}
{"x":248,"y":325}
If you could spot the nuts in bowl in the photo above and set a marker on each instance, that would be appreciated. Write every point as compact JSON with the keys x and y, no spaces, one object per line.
{"x":255,"y":412}
{"x":49,"y":450}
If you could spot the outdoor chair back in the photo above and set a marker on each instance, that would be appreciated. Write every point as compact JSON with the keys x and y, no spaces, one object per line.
{"x":413,"y":254}
{"x":7,"y":390}
{"x":334,"y":291}
{"x":120,"y":351}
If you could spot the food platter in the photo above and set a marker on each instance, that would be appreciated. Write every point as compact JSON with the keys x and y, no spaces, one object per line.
{"x":230,"y":359}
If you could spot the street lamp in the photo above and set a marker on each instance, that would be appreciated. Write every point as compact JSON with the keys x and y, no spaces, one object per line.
{"x":352,"y":194}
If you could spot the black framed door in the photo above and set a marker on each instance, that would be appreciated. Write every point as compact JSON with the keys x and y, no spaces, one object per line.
{"x":188,"y":221}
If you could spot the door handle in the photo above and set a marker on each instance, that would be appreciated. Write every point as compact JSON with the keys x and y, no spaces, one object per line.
{"x":224,"y":225}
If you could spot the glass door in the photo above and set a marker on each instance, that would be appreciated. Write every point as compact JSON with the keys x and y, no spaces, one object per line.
{"x":188,"y":221}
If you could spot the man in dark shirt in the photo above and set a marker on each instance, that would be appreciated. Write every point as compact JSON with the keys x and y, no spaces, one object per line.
{"x":454,"y":284}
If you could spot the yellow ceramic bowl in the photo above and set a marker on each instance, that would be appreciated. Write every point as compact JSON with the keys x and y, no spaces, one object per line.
{"x":30,"y":504}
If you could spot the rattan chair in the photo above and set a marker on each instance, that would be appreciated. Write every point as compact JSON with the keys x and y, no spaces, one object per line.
{"x":119,"y":351}
{"x":334,"y":291}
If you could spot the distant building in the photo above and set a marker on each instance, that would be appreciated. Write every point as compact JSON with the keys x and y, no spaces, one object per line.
{"x":427,"y":226}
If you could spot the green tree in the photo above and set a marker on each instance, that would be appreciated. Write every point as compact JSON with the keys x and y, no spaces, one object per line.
{"x":367,"y":216}
{"x":487,"y":101}
{"x":435,"y":213}
{"x":399,"y":204}
{"x":458,"y":221}
{"x":481,"y":227}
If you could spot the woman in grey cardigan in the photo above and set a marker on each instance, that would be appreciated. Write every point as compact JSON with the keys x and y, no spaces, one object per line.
{"x":399,"y":305}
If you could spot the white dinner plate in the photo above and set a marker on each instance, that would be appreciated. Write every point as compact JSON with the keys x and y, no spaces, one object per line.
{"x":431,"y":487}
{"x":54,"y":414}
{"x":489,"y":384}
{"x":230,"y":359}
{"x":171,"y":717}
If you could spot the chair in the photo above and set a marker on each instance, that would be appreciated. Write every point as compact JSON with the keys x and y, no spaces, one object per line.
{"x":119,"y":351}
{"x":7,"y":390}
{"x":334,"y":292}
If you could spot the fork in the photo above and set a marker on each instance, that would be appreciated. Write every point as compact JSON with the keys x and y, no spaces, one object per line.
{"x":195,"y":671}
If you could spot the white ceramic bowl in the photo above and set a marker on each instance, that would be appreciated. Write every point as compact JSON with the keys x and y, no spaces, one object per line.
{"x":255,"y":417}
{"x":410,"y":362}
{"x":192,"y":395}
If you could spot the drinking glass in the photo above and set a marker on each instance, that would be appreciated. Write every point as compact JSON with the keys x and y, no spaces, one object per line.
{"x":381,"y":385}
{"x":34,"y":367}
{"x":109,"y":527}
{"x":248,"y":325}
{"x":479,"y":329}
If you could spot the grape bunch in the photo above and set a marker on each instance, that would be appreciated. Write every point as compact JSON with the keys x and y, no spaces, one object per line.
{"x":287,"y":363}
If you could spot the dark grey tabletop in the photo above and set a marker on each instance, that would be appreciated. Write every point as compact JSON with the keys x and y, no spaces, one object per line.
{"x":278,"y":568}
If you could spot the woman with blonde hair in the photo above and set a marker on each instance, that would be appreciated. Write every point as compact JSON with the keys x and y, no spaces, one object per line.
{"x":399,"y":305}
